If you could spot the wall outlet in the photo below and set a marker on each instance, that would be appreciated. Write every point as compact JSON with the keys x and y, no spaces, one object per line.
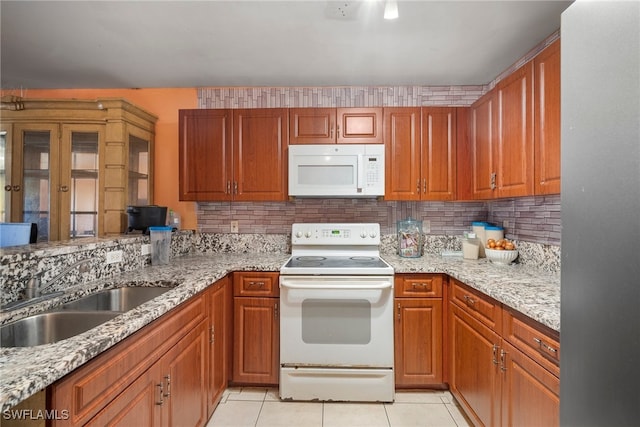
{"x":234,"y":227}
{"x":426,"y":226}
{"x":505,"y":224}
{"x":146,"y":249}
{"x":114,"y":256}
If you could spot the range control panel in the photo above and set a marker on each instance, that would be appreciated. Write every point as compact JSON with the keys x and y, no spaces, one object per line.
{"x":335,"y":234}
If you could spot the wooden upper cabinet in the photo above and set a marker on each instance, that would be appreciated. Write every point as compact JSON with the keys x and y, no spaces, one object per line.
{"x":335,"y":125}
{"x":205,"y":155}
{"x":402,"y":153}
{"x":259,"y":154}
{"x":514,"y":157}
{"x":420,"y":153}
{"x":547,"y":120}
{"x":438,"y":164}
{"x":359,"y":126}
{"x":482,"y":123}
{"x":312,"y":126}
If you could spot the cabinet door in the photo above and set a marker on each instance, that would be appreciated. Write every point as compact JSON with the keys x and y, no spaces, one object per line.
{"x":438,"y":154}
{"x":6,"y":180}
{"x":402,"y":153}
{"x":219,"y":323}
{"x":418,"y":341}
{"x":474,"y":370}
{"x":205,"y":155}
{"x":359,"y":126}
{"x":514,"y":167}
{"x":184,"y":380}
{"x":530,"y":393}
{"x":256,"y":340}
{"x":138,"y":405}
{"x":482,"y":123}
{"x":312,"y":126}
{"x":259,"y":161}
{"x":547,"y":120}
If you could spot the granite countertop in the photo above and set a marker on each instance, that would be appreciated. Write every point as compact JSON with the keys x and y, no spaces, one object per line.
{"x":25,"y":371}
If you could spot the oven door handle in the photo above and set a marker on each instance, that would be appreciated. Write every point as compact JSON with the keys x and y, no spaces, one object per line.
{"x":332,"y":286}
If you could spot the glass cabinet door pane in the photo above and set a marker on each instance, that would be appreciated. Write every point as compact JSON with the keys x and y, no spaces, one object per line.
{"x":84,"y":184}
{"x":36,"y":180}
{"x":138,"y":171}
{"x":5,"y":195}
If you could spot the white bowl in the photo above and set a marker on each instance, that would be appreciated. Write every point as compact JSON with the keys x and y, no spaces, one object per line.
{"x":501,"y":257}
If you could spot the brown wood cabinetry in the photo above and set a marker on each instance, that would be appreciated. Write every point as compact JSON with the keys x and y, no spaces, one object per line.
{"x":220,"y":316}
{"x":256,"y":333}
{"x":233,"y":154}
{"x":514,"y":157}
{"x":420,"y":153}
{"x":73,"y":166}
{"x":162,"y":365}
{"x":482,"y":128}
{"x":205,"y":141}
{"x":504,"y":366}
{"x":419,"y":330}
{"x":547,"y":120}
{"x":335,"y":125}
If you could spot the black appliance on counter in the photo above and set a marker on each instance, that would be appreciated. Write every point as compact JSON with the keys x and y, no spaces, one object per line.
{"x":143,"y":217}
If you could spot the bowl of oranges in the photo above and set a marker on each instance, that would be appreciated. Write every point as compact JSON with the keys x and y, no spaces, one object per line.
{"x":501,"y":251}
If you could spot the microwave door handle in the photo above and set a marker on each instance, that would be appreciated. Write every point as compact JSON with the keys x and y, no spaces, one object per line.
{"x":360,"y":173}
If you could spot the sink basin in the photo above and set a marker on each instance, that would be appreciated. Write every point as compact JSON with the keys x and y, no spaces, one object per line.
{"x":50,"y":327}
{"x":120,"y":299}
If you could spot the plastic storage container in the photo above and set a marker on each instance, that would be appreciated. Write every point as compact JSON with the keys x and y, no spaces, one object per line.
{"x":160,"y":245}
{"x":409,"y":238}
{"x":471,"y":246}
{"x":494,"y":232}
{"x":478,"y":227}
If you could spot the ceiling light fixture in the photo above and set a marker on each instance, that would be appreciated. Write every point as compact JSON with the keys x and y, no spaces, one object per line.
{"x":391,"y":9}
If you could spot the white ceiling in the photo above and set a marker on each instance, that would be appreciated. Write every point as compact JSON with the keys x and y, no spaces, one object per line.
{"x":124,"y":44}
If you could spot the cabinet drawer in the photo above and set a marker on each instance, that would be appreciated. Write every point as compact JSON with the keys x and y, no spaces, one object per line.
{"x":255,"y":284}
{"x":418,"y":285}
{"x":535,"y":340}
{"x":478,"y":305}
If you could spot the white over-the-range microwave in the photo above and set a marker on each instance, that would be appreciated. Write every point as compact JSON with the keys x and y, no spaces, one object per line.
{"x":330,"y":170}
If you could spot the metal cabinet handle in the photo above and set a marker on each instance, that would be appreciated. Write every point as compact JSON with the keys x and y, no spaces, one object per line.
{"x":16,"y":188}
{"x":212,"y":334}
{"x":228,"y":187}
{"x":418,"y":186}
{"x":275,"y":311}
{"x":168,"y":378}
{"x":503,"y":361}
{"x":470,"y":301}
{"x":337,"y":131}
{"x":424,"y":185}
{"x":545,"y":346}
{"x":495,"y":354}
{"x":493,"y":181}
{"x":7,"y":188}
{"x":160,"y":390}
{"x":399,"y":311}
{"x":64,"y":188}
{"x":235,"y":187}
{"x":331,"y":131}
{"x":256,"y":284}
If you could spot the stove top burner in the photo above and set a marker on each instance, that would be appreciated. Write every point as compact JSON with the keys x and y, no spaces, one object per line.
{"x":335,"y":262}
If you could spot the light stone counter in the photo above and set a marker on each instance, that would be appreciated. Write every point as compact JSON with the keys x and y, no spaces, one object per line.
{"x":25,"y":371}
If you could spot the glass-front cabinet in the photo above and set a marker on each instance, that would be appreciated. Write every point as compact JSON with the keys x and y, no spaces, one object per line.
{"x":72,"y":167}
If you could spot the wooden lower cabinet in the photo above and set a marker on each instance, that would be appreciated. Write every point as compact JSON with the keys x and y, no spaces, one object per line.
{"x":504,"y":368}
{"x":256,"y":328}
{"x":158,"y":376}
{"x":220,"y":329}
{"x":418,"y":330}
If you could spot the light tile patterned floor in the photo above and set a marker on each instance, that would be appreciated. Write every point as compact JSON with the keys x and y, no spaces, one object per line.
{"x":261,"y":407}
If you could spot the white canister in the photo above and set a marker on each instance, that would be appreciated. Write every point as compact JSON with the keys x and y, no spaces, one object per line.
{"x":478,"y":227}
{"x":471,"y":247}
{"x":494,"y":232}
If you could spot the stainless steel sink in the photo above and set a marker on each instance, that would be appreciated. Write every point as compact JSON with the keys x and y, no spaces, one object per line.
{"x":120,"y":299}
{"x":50,"y":327}
{"x":75,"y":317}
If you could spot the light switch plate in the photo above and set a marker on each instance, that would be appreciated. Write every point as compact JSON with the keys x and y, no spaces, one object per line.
{"x":146,"y":249}
{"x":426,"y":226}
{"x":234,"y":227}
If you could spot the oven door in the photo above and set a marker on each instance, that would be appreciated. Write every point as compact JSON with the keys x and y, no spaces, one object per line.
{"x":336,"y":321}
